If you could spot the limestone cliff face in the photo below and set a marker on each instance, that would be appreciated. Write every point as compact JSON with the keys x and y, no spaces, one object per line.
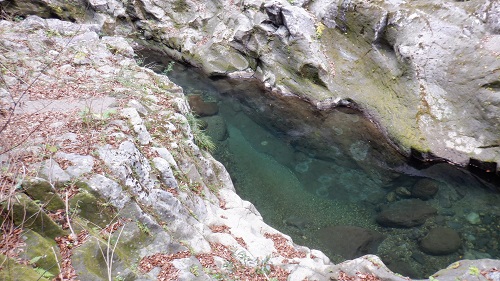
{"x":427,"y":72}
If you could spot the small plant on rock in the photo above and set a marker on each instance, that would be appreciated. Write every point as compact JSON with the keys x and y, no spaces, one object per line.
{"x":169,"y":68}
{"x":201,"y":139}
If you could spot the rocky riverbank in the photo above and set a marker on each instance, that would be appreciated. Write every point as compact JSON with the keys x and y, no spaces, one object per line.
{"x":109,"y":180}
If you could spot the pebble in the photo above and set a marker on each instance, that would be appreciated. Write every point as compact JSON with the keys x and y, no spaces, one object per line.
{"x":473,"y":218}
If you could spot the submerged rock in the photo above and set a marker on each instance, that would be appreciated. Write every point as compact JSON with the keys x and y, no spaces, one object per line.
{"x":216,"y":127}
{"x":350,"y":241}
{"x":202,"y":107}
{"x":405,"y":213}
{"x":402,"y":192}
{"x":297,"y":222}
{"x":425,"y":189}
{"x":473,"y":218}
{"x":441,"y":241}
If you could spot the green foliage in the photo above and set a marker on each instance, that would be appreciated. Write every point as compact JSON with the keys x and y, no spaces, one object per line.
{"x":169,"y":68}
{"x":473,"y":270}
{"x":319,"y":30}
{"x":263,"y":266}
{"x":214,"y":188}
{"x":139,"y":60}
{"x":44,"y":273}
{"x":86,"y":115}
{"x":201,"y":139}
{"x":51,"y":148}
{"x":52,"y":33}
{"x":184,"y":187}
{"x":143,"y":228}
{"x":91,"y":119}
{"x":194,"y":270}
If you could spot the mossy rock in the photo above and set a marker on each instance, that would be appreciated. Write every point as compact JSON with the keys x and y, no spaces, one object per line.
{"x":92,"y":208}
{"x":71,"y":10}
{"x":40,"y":249}
{"x":40,"y":189}
{"x":13,"y":271}
{"x":28,"y":214}
{"x":89,"y":261}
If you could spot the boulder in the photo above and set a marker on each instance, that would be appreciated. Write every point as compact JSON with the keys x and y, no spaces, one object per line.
{"x":41,"y":190}
{"x":201,"y":107}
{"x":441,"y":241}
{"x":27,"y":213}
{"x":425,"y":189}
{"x":216,"y":127}
{"x":350,"y":241}
{"x":405,"y":213}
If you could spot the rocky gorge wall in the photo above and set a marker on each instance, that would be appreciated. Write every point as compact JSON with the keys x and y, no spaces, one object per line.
{"x":136,"y":155}
{"x":408,"y":66}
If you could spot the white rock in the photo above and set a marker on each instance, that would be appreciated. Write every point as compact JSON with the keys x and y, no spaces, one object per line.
{"x":166,"y":172}
{"x":52,"y":172}
{"x":109,"y":189}
{"x":81,"y":163}
{"x":138,"y":125}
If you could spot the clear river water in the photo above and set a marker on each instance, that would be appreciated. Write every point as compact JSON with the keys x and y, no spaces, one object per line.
{"x":312,"y":175}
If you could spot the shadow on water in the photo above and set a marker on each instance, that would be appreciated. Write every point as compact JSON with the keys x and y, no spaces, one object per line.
{"x":331,"y":181}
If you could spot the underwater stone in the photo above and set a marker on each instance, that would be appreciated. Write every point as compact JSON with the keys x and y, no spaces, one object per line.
{"x":338,"y":131}
{"x":350,"y":241}
{"x":302,"y":167}
{"x":441,"y":241}
{"x":474,"y":255}
{"x":216,"y":127}
{"x":425,"y":189}
{"x":202,"y":107}
{"x":473,"y":218}
{"x":297,"y":222}
{"x":391,"y":197}
{"x":359,"y":150}
{"x":325,"y":179}
{"x":405,"y":213}
{"x":402,"y":191}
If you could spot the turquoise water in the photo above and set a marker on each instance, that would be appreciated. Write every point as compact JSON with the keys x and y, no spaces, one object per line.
{"x":308,"y":171}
